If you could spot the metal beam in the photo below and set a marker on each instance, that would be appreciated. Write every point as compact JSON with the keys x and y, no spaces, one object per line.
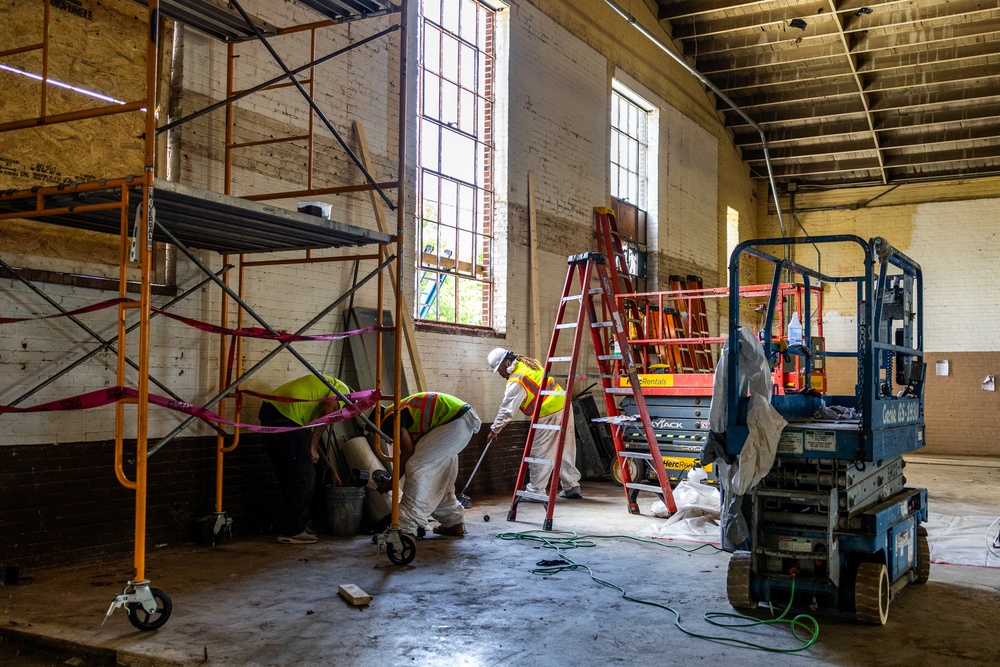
{"x":679,"y":10}
{"x":908,"y":78}
{"x":985,"y":93}
{"x":925,"y":37}
{"x":769,"y":18}
{"x":803,"y":94}
{"x":980,"y":152}
{"x":860,"y":89}
{"x":922,"y":55}
{"x":731,"y":65}
{"x":819,"y":30}
{"x":819,"y":112}
{"x":803,"y":134}
{"x":952,"y":114}
{"x":924,"y":13}
{"x":822,"y":69}
{"x":812,"y":150}
{"x":920,"y":137}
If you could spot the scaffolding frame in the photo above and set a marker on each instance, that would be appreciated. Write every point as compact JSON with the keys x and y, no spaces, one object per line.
{"x":189,"y":218}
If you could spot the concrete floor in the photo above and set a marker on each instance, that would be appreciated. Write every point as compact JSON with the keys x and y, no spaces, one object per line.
{"x":474,"y":602}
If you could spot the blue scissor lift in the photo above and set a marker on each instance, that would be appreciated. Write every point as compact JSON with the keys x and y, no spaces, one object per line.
{"x":833,"y":519}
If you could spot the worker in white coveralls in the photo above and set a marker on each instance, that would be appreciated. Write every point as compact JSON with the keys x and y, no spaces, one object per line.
{"x":524,"y":377}
{"x":433,"y":429}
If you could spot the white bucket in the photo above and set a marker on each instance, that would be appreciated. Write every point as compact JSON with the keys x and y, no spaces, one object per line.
{"x":358,"y":454}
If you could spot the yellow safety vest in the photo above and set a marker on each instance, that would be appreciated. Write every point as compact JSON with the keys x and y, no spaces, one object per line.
{"x":429,"y":410}
{"x":310,"y":390}
{"x":530,"y":378}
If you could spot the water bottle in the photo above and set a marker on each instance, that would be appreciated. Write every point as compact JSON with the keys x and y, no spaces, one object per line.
{"x":794,"y":330}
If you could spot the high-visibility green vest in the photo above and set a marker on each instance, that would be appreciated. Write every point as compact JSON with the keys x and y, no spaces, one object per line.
{"x":310,"y":391}
{"x":530,"y":378}
{"x":427,"y":410}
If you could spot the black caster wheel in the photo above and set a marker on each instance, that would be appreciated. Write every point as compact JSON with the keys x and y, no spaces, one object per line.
{"x":145,"y":621}
{"x":406,"y":554}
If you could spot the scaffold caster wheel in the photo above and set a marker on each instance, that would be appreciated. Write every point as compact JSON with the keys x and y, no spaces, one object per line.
{"x":145,"y":619}
{"x":214,"y":528}
{"x":406,"y":552}
{"x":147,"y":608}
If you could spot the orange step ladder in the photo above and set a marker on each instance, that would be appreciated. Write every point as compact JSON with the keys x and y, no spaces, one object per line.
{"x":585,"y":268}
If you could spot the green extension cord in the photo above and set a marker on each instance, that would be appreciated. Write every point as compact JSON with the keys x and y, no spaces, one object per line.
{"x":804,"y":628}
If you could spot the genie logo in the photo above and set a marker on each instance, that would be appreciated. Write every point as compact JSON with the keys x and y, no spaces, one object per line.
{"x":901,"y":413}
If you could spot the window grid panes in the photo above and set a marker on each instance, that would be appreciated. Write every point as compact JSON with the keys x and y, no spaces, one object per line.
{"x":455,"y":234}
{"x":629,"y":146}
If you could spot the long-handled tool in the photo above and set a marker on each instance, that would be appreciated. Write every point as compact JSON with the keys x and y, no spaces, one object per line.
{"x":463,"y":499}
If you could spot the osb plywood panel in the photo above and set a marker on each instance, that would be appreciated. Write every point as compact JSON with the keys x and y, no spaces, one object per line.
{"x":51,"y":248}
{"x":20,"y":23}
{"x":95,"y":46}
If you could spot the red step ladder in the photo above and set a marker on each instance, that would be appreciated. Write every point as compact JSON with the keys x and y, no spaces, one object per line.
{"x":609,"y":244}
{"x":585,"y":268}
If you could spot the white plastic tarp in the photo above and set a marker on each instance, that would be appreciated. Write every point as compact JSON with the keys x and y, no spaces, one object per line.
{"x":764,"y":422}
{"x":696,"y":518}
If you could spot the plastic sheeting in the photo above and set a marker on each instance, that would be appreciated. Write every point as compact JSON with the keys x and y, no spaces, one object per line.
{"x":739,"y":476}
{"x":956,"y":540}
{"x":764,"y":422}
{"x":696,"y":518}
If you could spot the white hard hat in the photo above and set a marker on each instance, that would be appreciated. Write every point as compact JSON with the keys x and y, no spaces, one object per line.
{"x":496,"y":357}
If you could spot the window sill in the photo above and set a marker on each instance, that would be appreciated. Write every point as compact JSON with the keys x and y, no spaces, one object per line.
{"x":457,"y":329}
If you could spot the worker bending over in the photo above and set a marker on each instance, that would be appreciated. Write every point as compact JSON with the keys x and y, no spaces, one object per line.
{"x":524,"y":376}
{"x":294,"y":454}
{"x":433,"y":429}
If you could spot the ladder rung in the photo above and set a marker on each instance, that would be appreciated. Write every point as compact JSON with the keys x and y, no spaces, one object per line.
{"x":636,"y":455}
{"x":574,"y":297}
{"x":595,"y":290}
{"x":619,"y":391}
{"x":547,"y":462}
{"x":644,"y":487}
{"x":553,"y":392}
{"x":570,"y":325}
{"x":609,"y":357}
{"x":558,"y":359}
{"x":546,"y":427}
{"x":534,"y":496}
{"x":601,"y":325}
{"x":583,"y":376}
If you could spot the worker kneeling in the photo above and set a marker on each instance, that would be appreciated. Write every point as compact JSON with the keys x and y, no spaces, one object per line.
{"x":433,"y":429}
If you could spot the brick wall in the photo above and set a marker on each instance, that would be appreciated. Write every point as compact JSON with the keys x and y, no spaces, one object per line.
{"x":62,"y":503}
{"x":958,"y":248}
{"x":554,"y":92}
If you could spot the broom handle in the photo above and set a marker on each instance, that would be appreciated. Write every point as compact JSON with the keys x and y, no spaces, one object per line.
{"x":481,"y":457}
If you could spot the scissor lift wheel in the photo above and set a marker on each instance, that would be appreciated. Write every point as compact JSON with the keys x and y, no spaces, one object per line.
{"x":635,"y":472}
{"x":923,"y":557}
{"x":871,"y":593}
{"x":738,"y":582}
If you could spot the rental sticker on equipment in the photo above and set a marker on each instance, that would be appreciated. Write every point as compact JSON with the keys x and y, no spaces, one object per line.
{"x":821,"y":441}
{"x":795,"y":544}
{"x":790,"y":442}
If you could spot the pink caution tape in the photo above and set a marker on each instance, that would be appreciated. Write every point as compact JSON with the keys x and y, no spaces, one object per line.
{"x":110,"y":303}
{"x":361,"y":401}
